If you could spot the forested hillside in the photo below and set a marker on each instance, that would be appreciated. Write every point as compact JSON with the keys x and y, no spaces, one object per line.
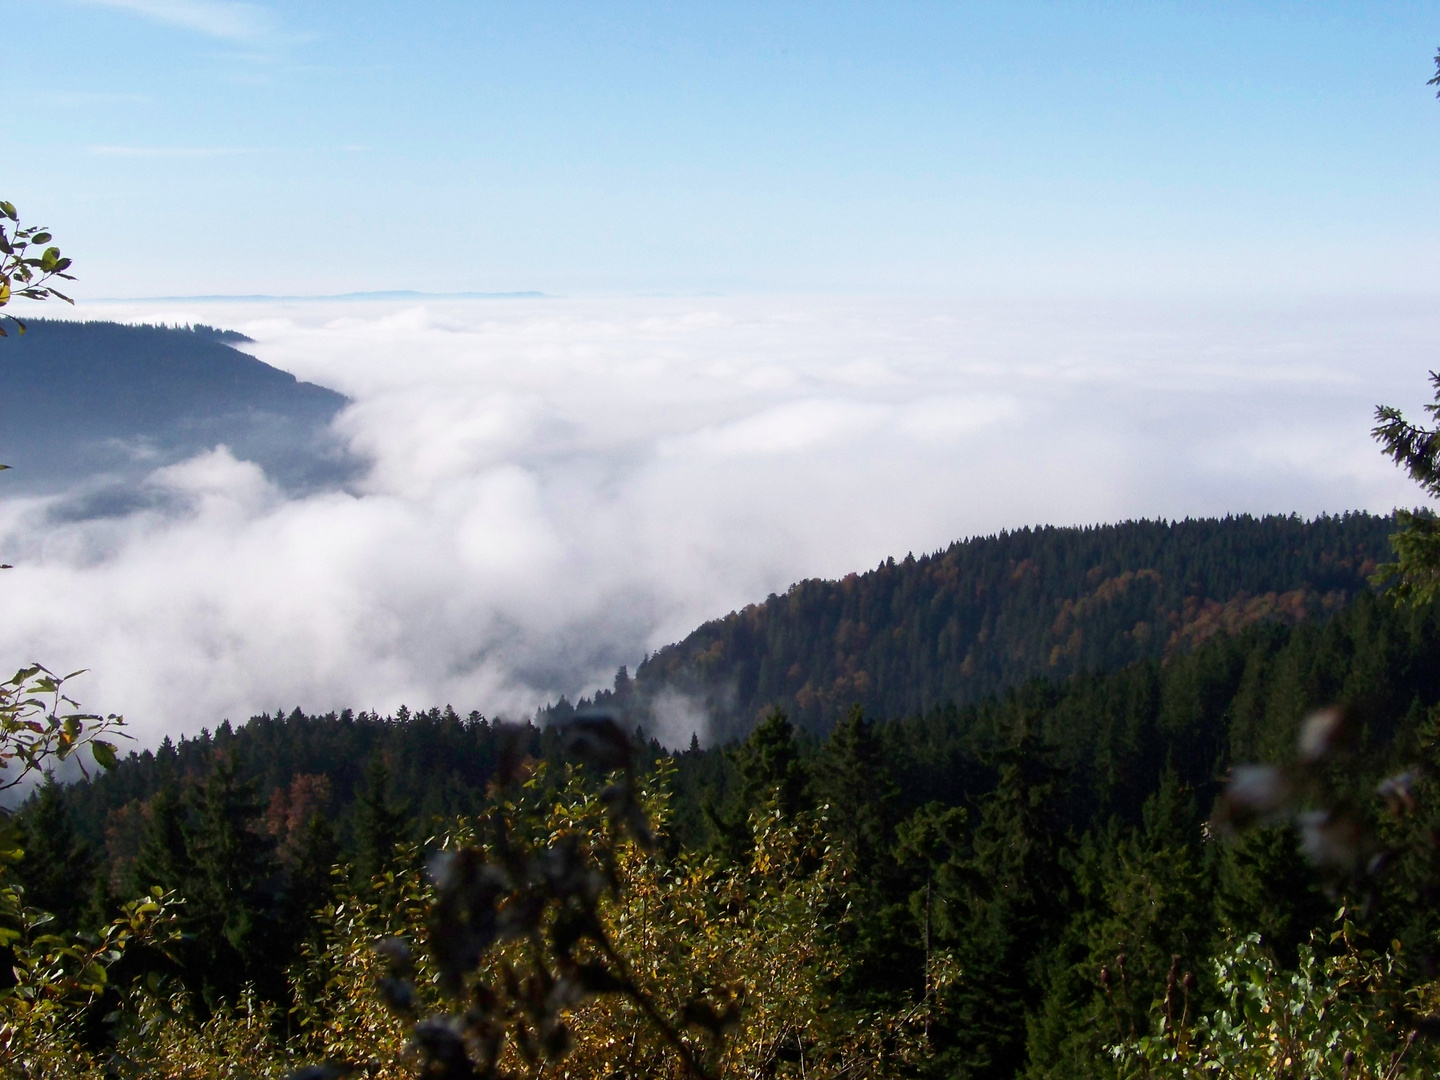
{"x":120,"y":400}
{"x":995,"y":856}
{"x":989,"y":613}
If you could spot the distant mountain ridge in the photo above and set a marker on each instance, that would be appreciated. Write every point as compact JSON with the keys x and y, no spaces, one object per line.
{"x":104,"y":402}
{"x":389,"y":294}
{"x":990,"y":613}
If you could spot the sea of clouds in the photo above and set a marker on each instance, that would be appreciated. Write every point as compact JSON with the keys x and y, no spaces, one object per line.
{"x":555,"y":487}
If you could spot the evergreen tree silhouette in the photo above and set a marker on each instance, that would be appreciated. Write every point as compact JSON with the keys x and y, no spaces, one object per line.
{"x":231,"y":891}
{"x":1000,"y":911}
{"x":379,"y":823}
{"x":58,"y":868}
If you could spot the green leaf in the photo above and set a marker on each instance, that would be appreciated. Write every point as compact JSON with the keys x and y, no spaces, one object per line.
{"x":8,"y":209}
{"x":40,"y":238}
{"x":104,"y":754}
{"x":93,"y":977}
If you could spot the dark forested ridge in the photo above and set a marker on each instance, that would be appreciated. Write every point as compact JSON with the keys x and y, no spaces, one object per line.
{"x":991,"y":852}
{"x":1026,"y":838}
{"x":121,"y":399}
{"x":918,"y":638}
{"x":989,"y":613}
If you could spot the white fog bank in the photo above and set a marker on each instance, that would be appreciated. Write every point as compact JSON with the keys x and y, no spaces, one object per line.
{"x":557,"y":486}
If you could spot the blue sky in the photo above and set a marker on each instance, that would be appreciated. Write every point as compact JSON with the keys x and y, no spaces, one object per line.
{"x":200,"y":146}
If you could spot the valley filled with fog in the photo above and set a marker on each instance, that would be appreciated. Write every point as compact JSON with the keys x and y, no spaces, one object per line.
{"x":545,"y":489}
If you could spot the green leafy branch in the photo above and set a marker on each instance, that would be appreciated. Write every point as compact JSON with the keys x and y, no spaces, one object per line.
{"x":58,"y":976}
{"x":40,"y":723}
{"x":29,"y":265}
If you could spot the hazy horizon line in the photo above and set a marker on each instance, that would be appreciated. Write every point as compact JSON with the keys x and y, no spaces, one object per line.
{"x":382,"y":294}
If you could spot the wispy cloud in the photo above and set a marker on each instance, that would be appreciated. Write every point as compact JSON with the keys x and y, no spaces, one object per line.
{"x":214,"y":151}
{"x":85,"y":99}
{"x":175,"y":151}
{"x":228,"y":20}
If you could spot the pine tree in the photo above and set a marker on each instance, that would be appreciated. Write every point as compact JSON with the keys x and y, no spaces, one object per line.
{"x":1415,"y":573}
{"x":770,"y":774}
{"x":163,"y":858}
{"x":925,"y":842}
{"x":379,"y":823}
{"x":306,"y":846}
{"x":311,"y":883}
{"x":887,"y":959}
{"x":770,"y":767}
{"x":1264,"y":884}
{"x":1002,"y":904}
{"x":855,"y":781}
{"x":58,"y":869}
{"x":1141,"y":907}
{"x":232,"y":887}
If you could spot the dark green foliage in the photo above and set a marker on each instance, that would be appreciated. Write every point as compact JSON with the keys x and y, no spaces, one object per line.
{"x":1002,"y":853}
{"x":1414,"y":575}
{"x":767,"y":772}
{"x":232,"y":886}
{"x":438,"y":765}
{"x":58,"y":869}
{"x":853,"y":779}
{"x":379,"y":823}
{"x":307,"y":851}
{"x":163,"y":858}
{"x":770,"y":767}
{"x":999,"y":903}
{"x":925,"y":843}
{"x":854,"y":782}
{"x":1264,"y":881}
{"x":989,"y":613}
{"x":1143,"y":895}
{"x":1413,"y":447}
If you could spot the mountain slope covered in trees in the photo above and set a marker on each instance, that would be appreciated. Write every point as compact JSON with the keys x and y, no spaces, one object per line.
{"x":1016,"y":844}
{"x":989,"y":613}
{"x":121,"y":400}
{"x":989,"y":856}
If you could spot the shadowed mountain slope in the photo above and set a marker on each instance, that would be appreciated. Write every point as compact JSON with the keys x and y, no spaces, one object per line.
{"x":990,"y":613}
{"x":100,"y":404}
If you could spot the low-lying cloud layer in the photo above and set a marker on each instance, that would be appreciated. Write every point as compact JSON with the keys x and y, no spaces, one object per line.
{"x":558,"y":486}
